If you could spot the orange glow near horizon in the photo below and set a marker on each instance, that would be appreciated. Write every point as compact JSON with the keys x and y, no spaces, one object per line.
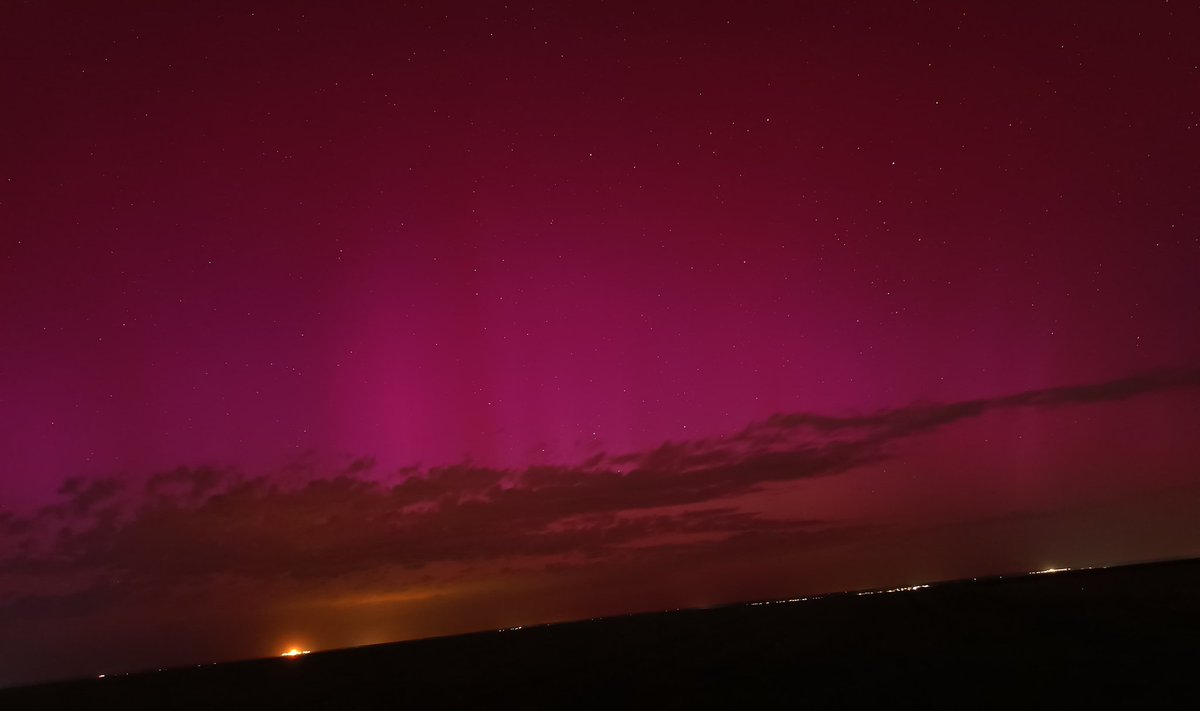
{"x":294,"y":652}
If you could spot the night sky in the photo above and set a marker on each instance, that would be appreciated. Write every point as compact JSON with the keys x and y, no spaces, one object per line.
{"x":326,"y":324}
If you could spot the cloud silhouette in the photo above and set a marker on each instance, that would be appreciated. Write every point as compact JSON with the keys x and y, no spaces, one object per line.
{"x":189,"y":524}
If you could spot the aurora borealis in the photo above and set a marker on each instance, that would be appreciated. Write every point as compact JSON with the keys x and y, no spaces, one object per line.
{"x":328,"y":324}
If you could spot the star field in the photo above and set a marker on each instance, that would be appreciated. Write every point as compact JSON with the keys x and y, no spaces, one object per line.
{"x":532,"y":312}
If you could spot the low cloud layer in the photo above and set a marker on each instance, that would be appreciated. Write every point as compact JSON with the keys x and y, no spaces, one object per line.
{"x":189,"y":525}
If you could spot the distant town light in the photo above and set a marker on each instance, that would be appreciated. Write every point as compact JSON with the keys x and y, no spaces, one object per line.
{"x":293,"y":652}
{"x":908,"y":588}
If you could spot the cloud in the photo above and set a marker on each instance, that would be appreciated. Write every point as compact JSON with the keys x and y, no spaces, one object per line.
{"x":915,"y":419}
{"x":84,"y":494}
{"x":185,"y":482}
{"x":191,"y":524}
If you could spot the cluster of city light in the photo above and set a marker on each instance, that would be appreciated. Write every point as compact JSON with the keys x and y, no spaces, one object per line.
{"x":908,"y":588}
{"x":818,"y":597}
{"x":781,"y":602}
{"x":918,"y":587}
{"x":293,"y":652}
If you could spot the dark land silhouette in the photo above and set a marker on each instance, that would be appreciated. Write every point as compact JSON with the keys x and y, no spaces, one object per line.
{"x":1118,"y":636}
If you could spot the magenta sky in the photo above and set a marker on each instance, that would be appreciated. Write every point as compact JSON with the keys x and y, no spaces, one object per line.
{"x":329,"y":325}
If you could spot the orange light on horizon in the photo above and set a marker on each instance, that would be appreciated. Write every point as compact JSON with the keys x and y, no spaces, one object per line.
{"x":294,"y":652}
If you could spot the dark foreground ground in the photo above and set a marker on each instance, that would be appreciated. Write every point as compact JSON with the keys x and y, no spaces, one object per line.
{"x":1121,"y":637}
